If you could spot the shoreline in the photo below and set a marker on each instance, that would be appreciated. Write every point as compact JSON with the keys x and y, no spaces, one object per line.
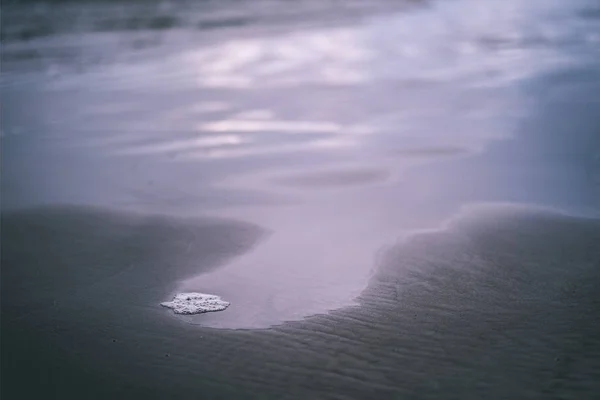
{"x":459,"y":295}
{"x":402,"y":207}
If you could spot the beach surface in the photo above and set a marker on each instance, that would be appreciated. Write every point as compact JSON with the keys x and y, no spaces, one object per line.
{"x":396,"y":201}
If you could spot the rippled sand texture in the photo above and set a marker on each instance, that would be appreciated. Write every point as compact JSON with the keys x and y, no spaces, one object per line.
{"x":502,"y":304}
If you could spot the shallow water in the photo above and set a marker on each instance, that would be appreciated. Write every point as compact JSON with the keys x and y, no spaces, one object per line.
{"x":284,"y":158}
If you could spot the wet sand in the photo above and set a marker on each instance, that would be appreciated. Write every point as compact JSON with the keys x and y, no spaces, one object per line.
{"x":502,"y":304}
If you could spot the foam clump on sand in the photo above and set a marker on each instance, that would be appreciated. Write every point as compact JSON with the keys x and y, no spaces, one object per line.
{"x":195,"y":303}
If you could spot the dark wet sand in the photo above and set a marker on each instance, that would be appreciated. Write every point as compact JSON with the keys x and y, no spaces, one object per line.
{"x":502,"y":304}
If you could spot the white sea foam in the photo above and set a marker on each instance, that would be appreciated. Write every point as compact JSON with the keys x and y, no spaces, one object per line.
{"x":195,"y":303}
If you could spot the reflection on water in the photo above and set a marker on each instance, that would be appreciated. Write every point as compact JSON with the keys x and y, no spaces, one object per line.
{"x":202,"y":142}
{"x":262,"y":125}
